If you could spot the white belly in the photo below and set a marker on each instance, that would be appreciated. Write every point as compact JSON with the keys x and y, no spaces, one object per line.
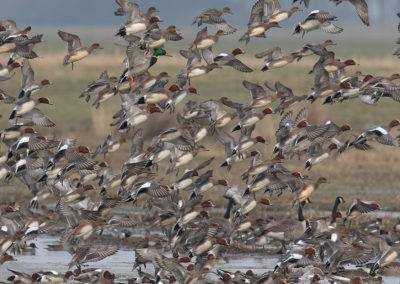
{"x":260,"y":184}
{"x":3,"y":173}
{"x":256,"y":31}
{"x":137,"y":159}
{"x":7,"y":47}
{"x":183,"y":184}
{"x":4,"y":72}
{"x":205,"y":43}
{"x":149,"y":83}
{"x":124,"y":87}
{"x":157,"y":43}
{"x":200,"y":134}
{"x":106,"y":96}
{"x":261,"y":103}
{"x":135,"y":28}
{"x":308,"y":52}
{"x":171,"y":136}
{"x":11,"y":135}
{"x":5,"y":245}
{"x":78,"y":55}
{"x":85,"y":232}
{"x":130,"y":180}
{"x":33,"y":223}
{"x":342,"y":279}
{"x":246,"y":145}
{"x":115,"y":183}
{"x":306,"y":193}
{"x":205,"y":187}
{"x":138,"y":119}
{"x":197,"y":72}
{"x":53,"y":174}
{"x":330,"y":68}
{"x":250,"y":121}
{"x":353,"y":215}
{"x":276,"y":235}
{"x":25,"y":108}
{"x":155,"y":98}
{"x":249,"y":207}
{"x":389,"y":258}
{"x":190,"y":114}
{"x":279,"y":17}
{"x":350,"y":92}
{"x":243,"y":226}
{"x":184,"y":159}
{"x":180,"y":98}
{"x":257,"y":170}
{"x":320,"y":158}
{"x":114,"y":147}
{"x":310,"y":25}
{"x":89,"y":177}
{"x":162,"y":155}
{"x":189,"y":217}
{"x":203,"y":247}
{"x":278,"y":64}
{"x":223,"y":121}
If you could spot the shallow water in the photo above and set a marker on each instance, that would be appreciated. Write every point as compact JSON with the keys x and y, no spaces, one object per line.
{"x":121,"y":263}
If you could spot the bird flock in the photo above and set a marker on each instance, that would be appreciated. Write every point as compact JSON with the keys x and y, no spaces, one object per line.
{"x":184,"y":236}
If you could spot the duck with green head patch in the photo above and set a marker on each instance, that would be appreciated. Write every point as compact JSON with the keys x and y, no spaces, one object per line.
{"x":138,"y":64}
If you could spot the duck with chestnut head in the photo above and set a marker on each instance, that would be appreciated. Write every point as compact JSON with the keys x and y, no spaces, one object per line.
{"x":76,"y":51}
{"x":230,"y":59}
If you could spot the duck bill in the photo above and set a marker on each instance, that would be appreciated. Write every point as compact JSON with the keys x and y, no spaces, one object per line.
{"x":167,"y":54}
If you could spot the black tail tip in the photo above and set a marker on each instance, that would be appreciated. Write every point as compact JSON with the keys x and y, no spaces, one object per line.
{"x":149,"y":163}
{"x":10,"y":61}
{"x":297,"y":29}
{"x":373,"y":269}
{"x":12,"y":115}
{"x":43,"y":178}
{"x":8,"y":176}
{"x":123,"y":126}
{"x":327,"y":100}
{"x":247,"y":191}
{"x":311,"y":99}
{"x":141,"y":101}
{"x":337,"y":95}
{"x":121,"y":32}
{"x":236,"y":128}
{"x":103,"y":191}
{"x":265,"y":68}
{"x":176,"y":227}
{"x":224,"y":164}
{"x":128,"y":199}
{"x":21,"y":94}
{"x":153,"y":60}
{"x":307,"y":165}
{"x":50,"y":164}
